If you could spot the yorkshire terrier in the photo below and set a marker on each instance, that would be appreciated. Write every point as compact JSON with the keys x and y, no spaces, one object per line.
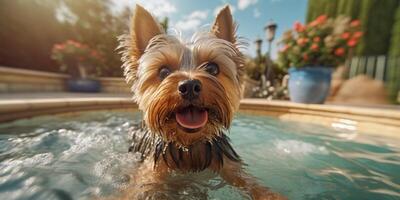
{"x":188,"y":93}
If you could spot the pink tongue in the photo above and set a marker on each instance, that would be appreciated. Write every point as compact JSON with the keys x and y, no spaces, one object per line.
{"x":192,"y":118}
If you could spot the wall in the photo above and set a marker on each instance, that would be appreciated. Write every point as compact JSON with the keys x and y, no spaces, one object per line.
{"x":114,"y":85}
{"x":26,"y":81}
{"x":20,"y":80}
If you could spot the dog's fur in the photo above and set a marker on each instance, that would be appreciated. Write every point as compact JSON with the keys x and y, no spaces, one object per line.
{"x":165,"y":146}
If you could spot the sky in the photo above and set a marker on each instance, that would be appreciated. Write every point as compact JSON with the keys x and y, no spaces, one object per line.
{"x":187,"y":16}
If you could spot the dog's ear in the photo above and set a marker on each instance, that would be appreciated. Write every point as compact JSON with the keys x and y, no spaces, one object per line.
{"x":143,"y":28}
{"x":224,"y":27}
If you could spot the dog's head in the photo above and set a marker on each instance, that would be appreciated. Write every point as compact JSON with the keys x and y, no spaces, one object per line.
{"x":187,"y":91}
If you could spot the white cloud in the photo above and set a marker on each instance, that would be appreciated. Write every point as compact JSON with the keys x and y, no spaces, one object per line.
{"x":159,"y":8}
{"x":243,"y":4}
{"x":199,"y":14}
{"x":218,"y":8}
{"x":192,"y":21}
{"x":256,"y":13}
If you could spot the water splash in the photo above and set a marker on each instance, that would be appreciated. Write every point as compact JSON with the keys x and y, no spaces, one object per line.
{"x":84,"y":156}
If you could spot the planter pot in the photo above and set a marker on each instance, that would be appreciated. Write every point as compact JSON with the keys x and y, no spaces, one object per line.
{"x":83,"y":85}
{"x":309,"y":84}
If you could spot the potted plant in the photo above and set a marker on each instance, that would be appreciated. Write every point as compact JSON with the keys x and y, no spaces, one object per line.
{"x":81,"y":62}
{"x":311,"y":51}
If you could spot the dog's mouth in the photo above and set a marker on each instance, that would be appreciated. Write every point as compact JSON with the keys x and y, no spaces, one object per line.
{"x":192,"y":118}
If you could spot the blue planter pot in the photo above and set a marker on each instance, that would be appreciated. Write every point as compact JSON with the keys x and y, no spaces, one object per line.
{"x":309,"y":84}
{"x":83,"y":85}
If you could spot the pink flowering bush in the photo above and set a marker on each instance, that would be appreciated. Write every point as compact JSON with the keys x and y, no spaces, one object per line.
{"x":322,"y":42}
{"x":74,"y":56}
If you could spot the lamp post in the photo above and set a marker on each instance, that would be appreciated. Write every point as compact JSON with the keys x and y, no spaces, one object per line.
{"x":258,"y":43}
{"x":270,"y":31}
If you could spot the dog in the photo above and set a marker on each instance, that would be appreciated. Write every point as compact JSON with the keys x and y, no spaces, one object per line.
{"x":188,"y":94}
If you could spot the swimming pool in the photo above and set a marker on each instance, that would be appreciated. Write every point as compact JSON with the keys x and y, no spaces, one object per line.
{"x":85,"y":155}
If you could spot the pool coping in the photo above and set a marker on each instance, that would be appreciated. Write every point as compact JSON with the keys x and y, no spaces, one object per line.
{"x":384,"y":121}
{"x":17,"y":109}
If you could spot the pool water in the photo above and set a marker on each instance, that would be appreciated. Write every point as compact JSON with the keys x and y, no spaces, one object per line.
{"x":85,"y":156}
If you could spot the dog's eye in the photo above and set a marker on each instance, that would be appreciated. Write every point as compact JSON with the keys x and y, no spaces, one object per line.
{"x":212,"y":68}
{"x":164,"y":72}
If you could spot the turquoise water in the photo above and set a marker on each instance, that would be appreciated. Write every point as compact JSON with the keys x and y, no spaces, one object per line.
{"x":84,"y":156}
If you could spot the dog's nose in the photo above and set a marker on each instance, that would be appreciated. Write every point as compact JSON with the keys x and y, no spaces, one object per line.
{"x":189,"y":89}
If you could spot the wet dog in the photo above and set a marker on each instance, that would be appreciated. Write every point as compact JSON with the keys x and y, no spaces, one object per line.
{"x":188,"y":93}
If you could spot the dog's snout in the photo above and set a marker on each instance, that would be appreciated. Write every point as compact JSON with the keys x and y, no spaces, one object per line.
{"x":189,"y":89}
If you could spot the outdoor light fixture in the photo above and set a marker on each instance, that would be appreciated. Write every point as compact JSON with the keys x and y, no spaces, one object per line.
{"x":258,"y":43}
{"x":270,"y":30}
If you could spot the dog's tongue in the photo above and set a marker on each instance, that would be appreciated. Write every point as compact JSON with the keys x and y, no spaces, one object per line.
{"x":192,"y":118}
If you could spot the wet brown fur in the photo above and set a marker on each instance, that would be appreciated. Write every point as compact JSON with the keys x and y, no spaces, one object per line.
{"x":197,"y":157}
{"x":145,"y":50}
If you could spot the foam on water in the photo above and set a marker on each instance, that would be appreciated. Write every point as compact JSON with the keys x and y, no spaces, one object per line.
{"x":85,"y":155}
{"x":298,"y":149}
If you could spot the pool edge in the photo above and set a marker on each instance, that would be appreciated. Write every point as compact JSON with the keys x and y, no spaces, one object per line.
{"x":349,"y":118}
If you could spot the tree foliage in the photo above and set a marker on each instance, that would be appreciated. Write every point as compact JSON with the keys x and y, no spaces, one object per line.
{"x":255,"y":67}
{"x":394,"y":50}
{"x":377,"y":21}
{"x":98,"y":27}
{"x":321,"y":7}
{"x":28,"y":32}
{"x":350,"y":8}
{"x":394,"y":62}
{"x":29,"y":29}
